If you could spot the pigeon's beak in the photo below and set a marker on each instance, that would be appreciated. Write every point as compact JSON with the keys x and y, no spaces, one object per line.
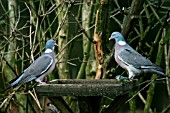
{"x":110,"y":38}
{"x":56,"y":44}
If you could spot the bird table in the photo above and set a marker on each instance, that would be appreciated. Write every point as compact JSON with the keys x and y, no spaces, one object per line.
{"x":82,"y":88}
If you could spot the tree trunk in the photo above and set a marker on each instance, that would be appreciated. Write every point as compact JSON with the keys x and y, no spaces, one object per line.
{"x":63,"y":39}
{"x":86,"y":66}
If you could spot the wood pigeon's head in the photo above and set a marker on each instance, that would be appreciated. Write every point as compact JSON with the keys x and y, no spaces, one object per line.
{"x":50,"y":44}
{"x":117,"y":36}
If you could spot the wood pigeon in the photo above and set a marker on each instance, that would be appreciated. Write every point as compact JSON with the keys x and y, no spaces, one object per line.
{"x":131,"y":60}
{"x":41,"y":67}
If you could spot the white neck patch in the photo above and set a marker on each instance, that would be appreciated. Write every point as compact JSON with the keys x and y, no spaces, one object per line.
{"x":121,"y":43}
{"x":48,"y":51}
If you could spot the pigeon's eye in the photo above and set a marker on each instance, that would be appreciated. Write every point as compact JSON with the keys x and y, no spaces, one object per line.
{"x":113,"y":35}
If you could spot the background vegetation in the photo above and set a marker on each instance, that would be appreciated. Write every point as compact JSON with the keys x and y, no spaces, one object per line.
{"x":82,"y":29}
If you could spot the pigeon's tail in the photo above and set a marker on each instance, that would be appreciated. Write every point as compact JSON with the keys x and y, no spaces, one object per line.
{"x":12,"y":84}
{"x":7,"y":88}
{"x":158,"y":70}
{"x":154,"y":69}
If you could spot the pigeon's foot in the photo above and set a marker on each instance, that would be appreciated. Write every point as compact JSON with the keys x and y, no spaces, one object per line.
{"x":121,"y":78}
{"x":131,"y":80}
{"x":42,"y":83}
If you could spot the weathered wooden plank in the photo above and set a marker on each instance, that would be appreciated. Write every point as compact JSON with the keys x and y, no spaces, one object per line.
{"x":84,"y":81}
{"x":60,"y":104}
{"x":84,"y":88}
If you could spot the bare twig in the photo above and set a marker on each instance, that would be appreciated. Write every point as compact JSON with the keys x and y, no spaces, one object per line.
{"x":30,"y":30}
{"x":35,"y":98}
{"x":72,"y":40}
{"x":82,"y":29}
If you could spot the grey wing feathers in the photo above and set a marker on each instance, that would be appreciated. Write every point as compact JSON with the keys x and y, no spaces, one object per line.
{"x":37,"y":68}
{"x":131,"y":57}
{"x":41,"y":65}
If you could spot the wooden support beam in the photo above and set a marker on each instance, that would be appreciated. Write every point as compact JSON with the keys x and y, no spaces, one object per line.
{"x":60,"y":104}
{"x":84,"y":87}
